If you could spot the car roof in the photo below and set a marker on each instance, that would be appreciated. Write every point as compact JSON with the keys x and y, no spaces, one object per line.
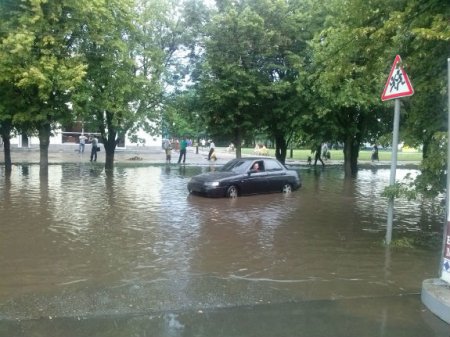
{"x":256,"y":158}
{"x":251,"y":159}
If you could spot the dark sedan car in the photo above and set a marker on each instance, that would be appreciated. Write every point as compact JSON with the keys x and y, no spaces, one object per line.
{"x":245,"y":176}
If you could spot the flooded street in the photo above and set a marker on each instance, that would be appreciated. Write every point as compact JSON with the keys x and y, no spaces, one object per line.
{"x":83,"y":253}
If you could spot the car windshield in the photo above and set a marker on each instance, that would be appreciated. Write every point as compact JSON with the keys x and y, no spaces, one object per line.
{"x":236,"y":166}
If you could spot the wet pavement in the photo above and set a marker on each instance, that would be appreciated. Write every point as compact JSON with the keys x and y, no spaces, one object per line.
{"x":366,"y":317}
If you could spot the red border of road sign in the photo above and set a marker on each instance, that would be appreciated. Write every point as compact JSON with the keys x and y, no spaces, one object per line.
{"x":384,"y":96}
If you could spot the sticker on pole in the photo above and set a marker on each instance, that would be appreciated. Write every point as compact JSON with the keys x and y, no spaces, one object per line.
{"x":445,"y":275}
{"x":398,"y":84}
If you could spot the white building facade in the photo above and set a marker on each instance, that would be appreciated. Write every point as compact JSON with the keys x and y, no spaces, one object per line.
{"x":142,"y":139}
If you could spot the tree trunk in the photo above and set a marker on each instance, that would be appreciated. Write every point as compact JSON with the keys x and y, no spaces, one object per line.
{"x":426,"y":147}
{"x":238,"y":151}
{"x":44,"y":142}
{"x":351,"y":153}
{"x":238,"y":143}
{"x":7,"y":153}
{"x":109,"y":158}
{"x":5,"y":129}
{"x":110,"y":147}
{"x":280,"y":148}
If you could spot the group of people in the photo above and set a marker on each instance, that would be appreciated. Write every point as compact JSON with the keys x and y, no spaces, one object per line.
{"x":321,"y":151}
{"x":94,"y":142}
{"x":261,"y":150}
{"x":167,"y":146}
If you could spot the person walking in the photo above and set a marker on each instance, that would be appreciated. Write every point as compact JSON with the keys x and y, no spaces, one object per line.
{"x":183,"y":146}
{"x":325,"y":153}
{"x":318,"y":155}
{"x":212,"y":148}
{"x":94,"y":149}
{"x":82,"y":139}
{"x":375,"y":153}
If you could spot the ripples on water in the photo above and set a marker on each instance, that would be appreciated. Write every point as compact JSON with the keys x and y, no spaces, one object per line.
{"x":139,"y":226}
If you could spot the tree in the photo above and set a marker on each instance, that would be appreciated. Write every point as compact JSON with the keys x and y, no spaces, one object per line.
{"x":248,"y":78}
{"x":7,"y":90}
{"x":424,"y":39}
{"x":349,"y":73}
{"x":105,"y":102}
{"x":425,"y":28}
{"x":229,"y":77}
{"x":283,"y":94}
{"x":38,"y":64}
{"x":129,"y":47}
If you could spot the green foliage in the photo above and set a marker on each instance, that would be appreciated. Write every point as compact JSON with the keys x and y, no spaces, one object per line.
{"x":36,"y":60}
{"x":425,"y":47}
{"x":403,"y":242}
{"x":229,"y":80}
{"x":404,"y":189}
{"x":248,"y":79}
{"x":417,"y":240}
{"x":432,"y":180}
{"x":347,"y":77}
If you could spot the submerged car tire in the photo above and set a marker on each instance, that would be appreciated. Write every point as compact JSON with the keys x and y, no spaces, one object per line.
{"x":232,"y":192}
{"x":287,"y":188}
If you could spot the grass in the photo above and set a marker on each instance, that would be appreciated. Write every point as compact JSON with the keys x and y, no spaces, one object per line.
{"x":364,"y":155}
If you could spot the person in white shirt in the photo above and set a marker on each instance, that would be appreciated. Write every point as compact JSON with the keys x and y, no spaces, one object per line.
{"x":82,"y":139}
{"x":212,"y":146}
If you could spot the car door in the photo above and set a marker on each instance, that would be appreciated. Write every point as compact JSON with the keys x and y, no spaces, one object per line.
{"x":255,"y":181}
{"x":275,"y":175}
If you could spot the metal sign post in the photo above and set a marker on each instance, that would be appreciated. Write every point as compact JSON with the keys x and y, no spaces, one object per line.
{"x":445,"y":261}
{"x":397,"y":85}
{"x":393,"y":169}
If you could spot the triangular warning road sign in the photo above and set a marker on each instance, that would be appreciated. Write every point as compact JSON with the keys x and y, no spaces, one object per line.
{"x":398,"y":84}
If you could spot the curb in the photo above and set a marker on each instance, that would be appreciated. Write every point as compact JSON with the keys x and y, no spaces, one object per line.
{"x":436,"y":296}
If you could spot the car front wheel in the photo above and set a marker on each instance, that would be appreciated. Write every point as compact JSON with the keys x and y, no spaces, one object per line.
{"x":287,"y":188}
{"x":232,"y":192}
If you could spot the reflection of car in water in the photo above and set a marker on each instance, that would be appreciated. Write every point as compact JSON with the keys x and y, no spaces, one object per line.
{"x":238,"y":177}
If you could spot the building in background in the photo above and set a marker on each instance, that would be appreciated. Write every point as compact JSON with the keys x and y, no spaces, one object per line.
{"x":70,"y":137}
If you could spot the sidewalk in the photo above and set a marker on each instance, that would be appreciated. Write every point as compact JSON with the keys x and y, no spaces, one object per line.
{"x":68,"y":153}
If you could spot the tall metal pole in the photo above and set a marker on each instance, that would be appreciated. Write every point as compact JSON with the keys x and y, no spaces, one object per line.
{"x":447,"y":204}
{"x":448,"y":137}
{"x":393,"y":170}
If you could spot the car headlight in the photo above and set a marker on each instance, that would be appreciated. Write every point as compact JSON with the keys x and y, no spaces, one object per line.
{"x":211,"y":183}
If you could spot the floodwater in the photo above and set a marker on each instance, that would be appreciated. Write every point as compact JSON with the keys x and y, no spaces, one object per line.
{"x":131,"y":253}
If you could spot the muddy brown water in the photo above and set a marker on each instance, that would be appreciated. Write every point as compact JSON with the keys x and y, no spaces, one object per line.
{"x":133,"y":254}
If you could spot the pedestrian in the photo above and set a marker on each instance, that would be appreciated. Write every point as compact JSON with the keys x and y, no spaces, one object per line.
{"x":94,"y":149}
{"x":318,"y":155}
{"x":82,"y":139}
{"x":325,"y":152}
{"x":212,"y":148}
{"x":168,"y":149}
{"x":213,"y":155}
{"x":183,"y":146}
{"x":375,"y":153}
